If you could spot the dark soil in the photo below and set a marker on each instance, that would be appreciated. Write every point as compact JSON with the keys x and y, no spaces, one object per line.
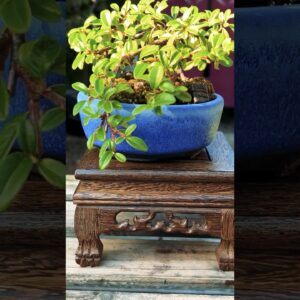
{"x":200,"y":88}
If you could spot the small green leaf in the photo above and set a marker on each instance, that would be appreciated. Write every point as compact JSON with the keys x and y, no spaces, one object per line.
{"x":27,"y":138}
{"x":81,"y":87}
{"x":46,"y":10}
{"x":53,"y":171}
{"x":183,"y":96}
{"x":156,"y":76}
{"x":167,"y":87}
{"x":52,"y":118}
{"x":165,"y":99}
{"x":137,"y":143}
{"x":149,"y":50}
{"x":16,"y":15}
{"x":90,"y":142}
{"x":4,"y":100}
{"x":139,"y":70}
{"x":108,"y":107}
{"x":115,"y":6}
{"x":106,"y":17}
{"x":99,"y":86}
{"x":79,"y":61}
{"x":139,"y":109}
{"x":120,"y":157}
{"x":130,"y":129}
{"x":105,"y":159}
{"x":14,"y":171}
{"x":77,"y":107}
{"x":101,"y":134}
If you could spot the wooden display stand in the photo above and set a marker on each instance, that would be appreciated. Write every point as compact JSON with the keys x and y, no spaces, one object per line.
{"x":191,"y":197}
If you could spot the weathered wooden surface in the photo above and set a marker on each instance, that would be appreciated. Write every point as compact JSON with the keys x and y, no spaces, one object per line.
{"x":85,"y":295}
{"x":32,"y":242}
{"x":146,"y":264}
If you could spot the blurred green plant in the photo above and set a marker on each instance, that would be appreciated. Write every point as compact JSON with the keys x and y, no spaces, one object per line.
{"x":156,"y":49}
{"x":30,"y":62}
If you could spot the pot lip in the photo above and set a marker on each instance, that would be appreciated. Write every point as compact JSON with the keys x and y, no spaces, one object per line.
{"x":219,"y":99}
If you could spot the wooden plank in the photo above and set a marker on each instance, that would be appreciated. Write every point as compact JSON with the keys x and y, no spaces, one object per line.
{"x":199,"y":169}
{"x":154,"y":193}
{"x":148,"y":264}
{"x":87,"y":295}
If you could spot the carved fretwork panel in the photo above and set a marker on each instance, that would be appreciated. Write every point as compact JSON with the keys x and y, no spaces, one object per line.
{"x":154,"y":221}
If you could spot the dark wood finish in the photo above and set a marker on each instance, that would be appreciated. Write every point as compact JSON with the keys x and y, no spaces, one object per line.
{"x":32,"y":243}
{"x":162,"y":191}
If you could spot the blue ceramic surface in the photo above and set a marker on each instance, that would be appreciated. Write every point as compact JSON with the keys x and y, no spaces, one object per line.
{"x":267,"y":87}
{"x":54,"y":140}
{"x":181,"y":130}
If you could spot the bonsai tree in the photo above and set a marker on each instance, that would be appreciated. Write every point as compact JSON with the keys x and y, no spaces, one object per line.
{"x":29,"y":63}
{"x":139,"y":54}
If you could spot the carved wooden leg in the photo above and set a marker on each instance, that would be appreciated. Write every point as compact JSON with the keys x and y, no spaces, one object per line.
{"x":225,"y":251}
{"x":89,"y":251}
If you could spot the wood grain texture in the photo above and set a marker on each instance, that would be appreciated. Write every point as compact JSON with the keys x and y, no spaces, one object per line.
{"x":152,"y":265}
{"x":33,"y":243}
{"x":86,"y":295}
{"x":167,"y":189}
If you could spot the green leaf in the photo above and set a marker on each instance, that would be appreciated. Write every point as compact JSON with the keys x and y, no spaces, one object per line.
{"x":101,"y":134}
{"x":77,"y":108}
{"x":175,"y":58}
{"x":52,"y":118}
{"x":139,"y":109}
{"x":165,"y":99}
{"x":130,"y":129}
{"x":137,"y":143}
{"x":105,"y":159}
{"x":4,"y":100}
{"x":45,"y":49}
{"x":167,"y":87}
{"x":53,"y":171}
{"x":156,"y":76}
{"x":46,"y":10}
{"x":115,"y":6}
{"x":149,"y":50}
{"x":27,"y":138}
{"x":139,"y":70}
{"x":120,"y":157}
{"x":9,"y":133}
{"x":106,"y":17}
{"x":183,"y":96}
{"x":14,"y":171}
{"x":79,"y":61}
{"x":90,"y":142}
{"x":80,"y":87}
{"x":123,"y":87}
{"x":16,"y":15}
{"x":163,"y":58}
{"x":99,"y":86}
{"x":108,"y":107}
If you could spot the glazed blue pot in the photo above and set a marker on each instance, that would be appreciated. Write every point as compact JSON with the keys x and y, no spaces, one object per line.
{"x":182,"y":130}
{"x":54,"y":140}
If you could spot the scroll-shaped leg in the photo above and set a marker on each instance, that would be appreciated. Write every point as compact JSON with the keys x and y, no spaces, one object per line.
{"x":89,"y":251}
{"x":225,"y":251}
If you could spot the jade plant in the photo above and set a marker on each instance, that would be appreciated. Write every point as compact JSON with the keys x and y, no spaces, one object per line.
{"x":28,"y":62}
{"x":139,"y":54}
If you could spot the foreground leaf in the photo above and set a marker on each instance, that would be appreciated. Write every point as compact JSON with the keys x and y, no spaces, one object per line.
{"x":46,"y":10}
{"x":4,"y":100}
{"x":53,"y":171}
{"x":27,"y":138}
{"x":16,"y":15}
{"x":14,"y":171}
{"x":52,"y":118}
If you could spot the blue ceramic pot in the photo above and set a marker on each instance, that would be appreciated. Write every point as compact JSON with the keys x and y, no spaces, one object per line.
{"x":54,"y":140}
{"x":182,"y":129}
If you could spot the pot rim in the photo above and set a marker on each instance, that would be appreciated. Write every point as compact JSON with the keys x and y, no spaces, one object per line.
{"x":219,"y":99}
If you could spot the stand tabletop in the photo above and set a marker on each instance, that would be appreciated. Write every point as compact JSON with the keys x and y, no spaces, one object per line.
{"x":215,"y":163}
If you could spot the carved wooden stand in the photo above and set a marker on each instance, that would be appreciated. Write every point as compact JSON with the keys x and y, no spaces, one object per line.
{"x":187,"y":197}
